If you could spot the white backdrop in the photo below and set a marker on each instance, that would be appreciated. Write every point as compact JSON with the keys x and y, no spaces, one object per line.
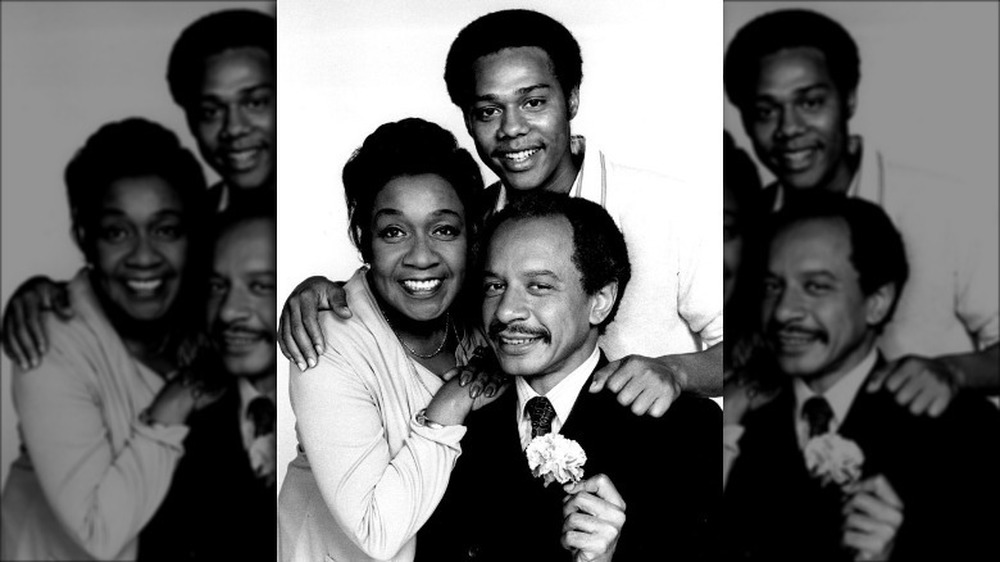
{"x":650,"y":97}
{"x":67,"y":68}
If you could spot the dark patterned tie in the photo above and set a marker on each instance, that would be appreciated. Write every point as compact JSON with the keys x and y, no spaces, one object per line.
{"x":818,"y":415}
{"x":542,"y":413}
{"x":261,"y":412}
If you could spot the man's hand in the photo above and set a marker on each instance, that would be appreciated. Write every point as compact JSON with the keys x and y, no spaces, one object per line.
{"x":593,"y":517}
{"x":299,"y":334}
{"x":647,"y":384}
{"x":873,"y":514}
{"x":925,"y":385}
{"x":24,"y":337}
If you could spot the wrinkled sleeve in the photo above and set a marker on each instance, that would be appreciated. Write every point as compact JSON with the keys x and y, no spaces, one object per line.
{"x":103,"y":498}
{"x":699,"y":235}
{"x":977,"y":301}
{"x":378,"y":498}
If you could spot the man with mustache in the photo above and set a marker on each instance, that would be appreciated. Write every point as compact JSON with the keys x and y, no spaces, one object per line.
{"x":793,"y":75}
{"x":834,"y":270}
{"x":516,"y":75}
{"x":221,"y":502}
{"x":555,"y":271}
{"x":221,"y":72}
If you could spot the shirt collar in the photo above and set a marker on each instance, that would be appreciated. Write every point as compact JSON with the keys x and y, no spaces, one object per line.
{"x":841,"y":394}
{"x":577,"y":146}
{"x":563,"y":395}
{"x":248,"y":392}
{"x":865,"y":182}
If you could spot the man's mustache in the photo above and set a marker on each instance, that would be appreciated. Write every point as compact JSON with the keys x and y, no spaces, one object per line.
{"x":497,"y":327}
{"x":776,"y":329}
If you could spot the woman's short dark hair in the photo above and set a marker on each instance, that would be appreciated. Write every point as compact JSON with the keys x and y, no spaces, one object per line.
{"x":408,"y":147}
{"x":210,"y":35}
{"x":131,"y":148}
{"x":504,"y":30}
{"x":787,"y":29}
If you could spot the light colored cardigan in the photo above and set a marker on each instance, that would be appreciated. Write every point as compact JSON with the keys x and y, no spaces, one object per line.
{"x":93,"y":475}
{"x":369,"y":476}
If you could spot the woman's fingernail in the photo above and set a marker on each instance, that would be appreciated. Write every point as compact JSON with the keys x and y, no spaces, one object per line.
{"x":319,"y":349}
{"x":300,"y":365}
{"x":312,"y":362}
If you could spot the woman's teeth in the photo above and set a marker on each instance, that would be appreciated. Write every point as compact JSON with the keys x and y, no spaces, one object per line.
{"x":422,"y":286}
{"x":144,"y":285}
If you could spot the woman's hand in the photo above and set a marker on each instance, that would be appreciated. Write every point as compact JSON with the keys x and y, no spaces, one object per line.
{"x":593,"y":517}
{"x":299,"y":334}
{"x":468,"y":387}
{"x":24,"y":337}
{"x":482,"y":376}
{"x":742,"y":395}
{"x":181,"y":396}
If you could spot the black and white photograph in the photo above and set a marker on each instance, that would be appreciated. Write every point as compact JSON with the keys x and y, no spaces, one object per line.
{"x":861,"y":269}
{"x":138,"y":201}
{"x":509,"y":289}
{"x":460,"y":333}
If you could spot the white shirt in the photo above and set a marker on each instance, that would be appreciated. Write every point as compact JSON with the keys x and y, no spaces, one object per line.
{"x":562,"y":396}
{"x":261,"y":450}
{"x":840,"y":396}
{"x":673,"y":231}
{"x":950,"y":302}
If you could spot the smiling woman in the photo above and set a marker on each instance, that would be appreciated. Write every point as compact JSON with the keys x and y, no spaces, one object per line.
{"x":369,"y":471}
{"x":95,"y":466}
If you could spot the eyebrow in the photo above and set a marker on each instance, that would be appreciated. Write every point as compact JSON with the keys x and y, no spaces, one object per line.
{"x":796,"y":92}
{"x":396,"y":213}
{"x":519,"y":92}
{"x":207,"y":96}
{"x":542,"y":273}
{"x":116,"y":212}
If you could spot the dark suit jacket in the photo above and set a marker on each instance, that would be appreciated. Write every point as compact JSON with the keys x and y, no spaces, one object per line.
{"x":945,"y":471}
{"x":216,"y":509}
{"x":667,"y":470}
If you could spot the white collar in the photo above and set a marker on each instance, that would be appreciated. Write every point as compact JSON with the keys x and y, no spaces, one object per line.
{"x":866,"y":183}
{"x":841,"y":395}
{"x":247,"y":393}
{"x":577,"y":145}
{"x":563,"y":394}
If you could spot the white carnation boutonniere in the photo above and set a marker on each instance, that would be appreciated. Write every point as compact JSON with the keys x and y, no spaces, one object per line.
{"x":556,"y":459}
{"x":831,"y":458}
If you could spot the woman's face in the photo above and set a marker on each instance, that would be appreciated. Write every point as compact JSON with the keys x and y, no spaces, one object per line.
{"x":419,"y":244}
{"x":139,"y":246}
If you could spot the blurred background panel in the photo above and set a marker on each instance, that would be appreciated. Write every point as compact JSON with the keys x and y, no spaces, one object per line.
{"x":65,"y":69}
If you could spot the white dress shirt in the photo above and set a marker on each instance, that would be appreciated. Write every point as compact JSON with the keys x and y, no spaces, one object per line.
{"x":673,"y":232}
{"x":261,"y":450}
{"x":562,"y":396}
{"x":840,"y":396}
